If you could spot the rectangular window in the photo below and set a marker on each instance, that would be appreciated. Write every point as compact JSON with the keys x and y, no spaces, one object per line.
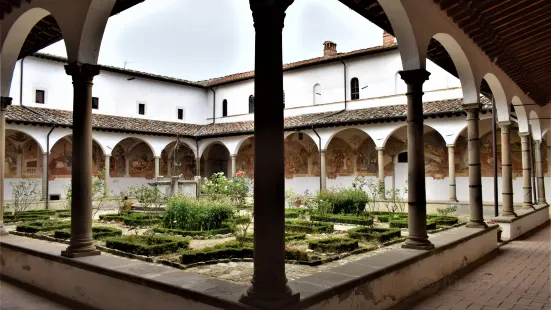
{"x":95,"y":103}
{"x":180,"y":114}
{"x":40,"y":96}
{"x":141,"y":108}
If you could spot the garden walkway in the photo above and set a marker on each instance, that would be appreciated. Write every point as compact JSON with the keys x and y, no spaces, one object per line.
{"x":516,"y":278}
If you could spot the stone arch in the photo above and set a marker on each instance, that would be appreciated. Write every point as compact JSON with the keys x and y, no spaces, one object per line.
{"x":238,"y":146}
{"x":350,"y":152}
{"x":245,"y":156}
{"x":522,"y":117}
{"x":182,"y":141}
{"x":462,"y":65}
{"x":500,"y":97}
{"x":537,"y":133}
{"x":178,"y":158}
{"x":215,"y":158}
{"x":132,"y":157}
{"x":204,"y":147}
{"x":23,"y":155}
{"x":339,"y":130}
{"x":60,"y":163}
{"x":301,"y":156}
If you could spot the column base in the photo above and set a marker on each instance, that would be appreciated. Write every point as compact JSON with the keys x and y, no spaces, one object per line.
{"x":4,"y":231}
{"x":453,"y":201}
{"x":509,"y":214}
{"x":542,"y":204}
{"x":476,"y":224}
{"x":528,"y":207}
{"x":269,"y":301}
{"x":418,"y":244}
{"x":76,"y":252}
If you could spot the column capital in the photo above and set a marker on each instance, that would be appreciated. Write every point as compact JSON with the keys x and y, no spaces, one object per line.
{"x":82,"y":72}
{"x":537,"y":144}
{"x":4,"y":103}
{"x":450,"y":145}
{"x":106,"y":155}
{"x":156,"y":157}
{"x":524,"y":134}
{"x":471,"y":106}
{"x":503,"y":124}
{"x":268,"y":13}
{"x":380,"y":148}
{"x":415,"y":77}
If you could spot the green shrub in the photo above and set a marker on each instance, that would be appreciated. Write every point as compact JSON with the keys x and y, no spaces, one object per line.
{"x":64,"y":214}
{"x":35,"y":212}
{"x":230,"y":249}
{"x":308,"y":227}
{"x":294,"y":213}
{"x":385,"y":218}
{"x":346,"y":201}
{"x":225,"y":229}
{"x":140,"y":219}
{"x":189,"y":214}
{"x":249,"y":238}
{"x":403,"y":223}
{"x":377,"y":234}
{"x":294,"y":254}
{"x":98,"y":232}
{"x":333,"y":245}
{"x":147,"y":245}
{"x":26,"y":218}
{"x":345,"y":219}
{"x":111,"y":217}
{"x":62,"y":234}
{"x":445,"y":220}
{"x":34,"y":227}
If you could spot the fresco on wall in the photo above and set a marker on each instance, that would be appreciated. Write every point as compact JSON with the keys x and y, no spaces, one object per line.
{"x":436,"y":156}
{"x":21,"y":147}
{"x":339,"y":158}
{"x":245,"y":158}
{"x":300,"y":154}
{"x":61,"y":159}
{"x":367,"y":162}
{"x":132,"y":158}
{"x":178,"y":161}
{"x":393,"y":147}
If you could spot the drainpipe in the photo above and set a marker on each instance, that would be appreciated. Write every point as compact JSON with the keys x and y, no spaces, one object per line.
{"x":319,"y":159}
{"x":494,"y":154}
{"x":345,"y":80}
{"x":213,"y":105}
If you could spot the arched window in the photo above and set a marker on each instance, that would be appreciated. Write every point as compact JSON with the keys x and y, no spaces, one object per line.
{"x":317,"y":94}
{"x":251,"y":104}
{"x":224,"y":108}
{"x":355,"y":89}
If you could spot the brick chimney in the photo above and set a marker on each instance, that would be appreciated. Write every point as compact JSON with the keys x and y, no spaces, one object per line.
{"x":388,"y":39}
{"x":329,"y":49}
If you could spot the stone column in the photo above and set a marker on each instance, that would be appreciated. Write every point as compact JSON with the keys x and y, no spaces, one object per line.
{"x":234,"y":165}
{"x":126,"y":167}
{"x":526,"y":170}
{"x":106,"y":174}
{"x":323,"y":171}
{"x":169,"y":167}
{"x":475,"y":172}
{"x":44,"y":176}
{"x":157,"y":166}
{"x":198,"y":166}
{"x":4,"y":103}
{"x":310,"y":165}
{"x":417,"y":200}
{"x":81,"y":243}
{"x":381,"y":170}
{"x":269,"y":288}
{"x":19,"y":165}
{"x":451,"y":167}
{"x":506,"y":169}
{"x":539,"y":173}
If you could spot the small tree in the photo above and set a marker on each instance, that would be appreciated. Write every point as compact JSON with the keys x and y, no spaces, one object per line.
{"x":446,"y":211}
{"x":24,"y":193}
{"x":242,"y":224}
{"x":150,"y":198}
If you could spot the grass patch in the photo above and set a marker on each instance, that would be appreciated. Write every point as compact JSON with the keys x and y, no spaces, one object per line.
{"x":147,"y":245}
{"x":63,"y":214}
{"x":333,"y":245}
{"x":308,"y":227}
{"x":378,"y":234}
{"x":34,"y":227}
{"x":98,"y":232}
{"x":403,"y":223}
{"x":344,"y":219}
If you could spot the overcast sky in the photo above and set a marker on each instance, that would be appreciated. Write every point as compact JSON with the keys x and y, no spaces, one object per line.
{"x":197,"y":40}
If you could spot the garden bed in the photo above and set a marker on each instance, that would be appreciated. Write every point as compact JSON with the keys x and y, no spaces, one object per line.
{"x":288,"y":237}
{"x":111,"y":217}
{"x":343,"y":219}
{"x":443,"y":220}
{"x":221,"y":231}
{"x":308,"y":227}
{"x":147,"y":245}
{"x":403,"y":223}
{"x":295,"y":213}
{"x":333,"y":245}
{"x":378,"y":234}
{"x":385,"y":218}
{"x":34,"y":227}
{"x":140,"y":219}
{"x":26,"y":216}
{"x":98,"y":232}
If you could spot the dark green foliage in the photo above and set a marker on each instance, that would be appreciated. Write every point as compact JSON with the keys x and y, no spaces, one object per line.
{"x":346,"y":201}
{"x":196,"y":214}
{"x":333,"y":245}
{"x":296,"y":255}
{"x":342,"y":218}
{"x":34,"y":227}
{"x":111,"y":217}
{"x":64,"y":214}
{"x":225,"y":229}
{"x":230,"y":249}
{"x":294,"y":213}
{"x":308,"y":227}
{"x":377,"y":234}
{"x":35,"y":212}
{"x":403,"y":223}
{"x":147,"y":245}
{"x":288,"y":237}
{"x":62,"y":234}
{"x":444,"y":220}
{"x":98,"y":232}
{"x":26,"y":216}
{"x":384,"y":218}
{"x":140,"y":219}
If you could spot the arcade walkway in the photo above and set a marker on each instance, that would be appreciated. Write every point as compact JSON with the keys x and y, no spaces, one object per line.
{"x":516,"y":278}
{"x":15,"y":298}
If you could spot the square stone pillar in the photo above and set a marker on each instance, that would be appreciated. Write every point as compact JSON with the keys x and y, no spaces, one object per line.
{"x":451,"y":167}
{"x":323,"y":170}
{"x":506,"y":169}
{"x":19,"y":166}
{"x":539,"y":173}
{"x":269,"y":288}
{"x":44,"y":176}
{"x":157,"y":166}
{"x":126,"y":167}
{"x":106,"y":174}
{"x":233,"y":165}
{"x":417,"y":199}
{"x":381,"y":170}
{"x":526,"y":170}
{"x":81,"y":243}
{"x":4,"y":103}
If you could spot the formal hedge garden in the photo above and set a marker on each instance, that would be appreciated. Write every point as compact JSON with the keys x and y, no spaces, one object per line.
{"x":40,"y":226}
{"x":343,"y":219}
{"x":308,"y":227}
{"x":374,"y":234}
{"x":98,"y":232}
{"x":147,"y":245}
{"x":333,"y":245}
{"x":403,"y":223}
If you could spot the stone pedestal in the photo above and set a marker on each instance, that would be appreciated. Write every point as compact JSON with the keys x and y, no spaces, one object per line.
{"x":526,"y":170}
{"x":4,"y":103}
{"x":506,"y":170}
{"x":269,"y":288}
{"x":81,"y":243}
{"x":451,"y":165}
{"x":417,"y":200}
{"x":475,"y":174}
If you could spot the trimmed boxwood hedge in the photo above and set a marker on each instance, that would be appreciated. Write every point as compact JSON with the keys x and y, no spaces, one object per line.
{"x":64,"y":214}
{"x":111,"y":217}
{"x":26,"y":218}
{"x":445,"y":220}
{"x":344,"y":219}
{"x":308,"y":227}
{"x":294,"y":213}
{"x":140,"y":219}
{"x":384,"y":218}
{"x":98,"y":232}
{"x":403,"y":223}
{"x":333,"y":245}
{"x":34,"y":227}
{"x":147,"y":245}
{"x":227,"y":229}
{"x":288,"y":237}
{"x":378,"y":234}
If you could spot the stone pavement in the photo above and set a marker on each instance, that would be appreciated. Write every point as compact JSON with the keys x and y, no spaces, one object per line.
{"x":15,"y":298}
{"x":518,"y":277}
